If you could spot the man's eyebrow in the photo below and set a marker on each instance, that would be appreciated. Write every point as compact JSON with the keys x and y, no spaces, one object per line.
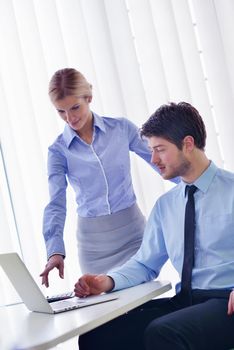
{"x":154,"y":147}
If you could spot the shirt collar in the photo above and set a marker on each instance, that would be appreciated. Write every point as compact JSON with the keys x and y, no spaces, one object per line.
{"x":204,"y":181}
{"x":69,"y":134}
{"x":99,"y":122}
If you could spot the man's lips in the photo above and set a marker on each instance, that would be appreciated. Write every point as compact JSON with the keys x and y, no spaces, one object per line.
{"x":161,"y":168}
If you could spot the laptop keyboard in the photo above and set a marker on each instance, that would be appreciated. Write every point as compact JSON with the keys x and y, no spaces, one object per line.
{"x":62,"y":296}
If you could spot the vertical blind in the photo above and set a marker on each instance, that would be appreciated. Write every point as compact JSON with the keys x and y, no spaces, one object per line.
{"x":137,"y":54}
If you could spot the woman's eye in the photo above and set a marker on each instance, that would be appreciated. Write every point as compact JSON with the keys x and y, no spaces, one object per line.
{"x":76,"y":107}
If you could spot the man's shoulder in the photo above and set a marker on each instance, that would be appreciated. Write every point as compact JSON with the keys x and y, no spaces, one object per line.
{"x":167,"y":201}
{"x":225,"y":176}
{"x":225,"y":173}
{"x":170,"y":196}
{"x":173,"y":191}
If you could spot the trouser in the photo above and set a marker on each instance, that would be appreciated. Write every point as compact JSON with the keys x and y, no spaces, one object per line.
{"x":165,"y":324}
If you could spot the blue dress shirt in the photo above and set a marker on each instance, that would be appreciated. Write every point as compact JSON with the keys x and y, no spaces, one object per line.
{"x":99,"y":174}
{"x":164,"y":235}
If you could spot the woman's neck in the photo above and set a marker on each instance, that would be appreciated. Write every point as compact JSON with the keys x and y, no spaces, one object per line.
{"x":86,"y":133}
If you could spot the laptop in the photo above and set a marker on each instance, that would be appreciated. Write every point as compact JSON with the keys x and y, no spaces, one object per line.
{"x":33,"y":297}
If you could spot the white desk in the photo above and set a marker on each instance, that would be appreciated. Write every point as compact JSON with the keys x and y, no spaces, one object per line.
{"x":22,"y":329}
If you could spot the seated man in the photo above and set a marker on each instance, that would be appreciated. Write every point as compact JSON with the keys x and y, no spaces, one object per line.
{"x":193,"y":226}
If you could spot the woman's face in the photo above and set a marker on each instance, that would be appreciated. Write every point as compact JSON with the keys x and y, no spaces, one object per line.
{"x":75,"y":111}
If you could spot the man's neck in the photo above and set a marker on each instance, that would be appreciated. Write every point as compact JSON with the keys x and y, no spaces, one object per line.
{"x":199,"y":164}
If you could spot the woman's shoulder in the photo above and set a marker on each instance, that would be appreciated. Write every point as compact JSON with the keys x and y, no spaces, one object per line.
{"x":114,"y":121}
{"x":57,"y":143}
{"x":58,"y":139}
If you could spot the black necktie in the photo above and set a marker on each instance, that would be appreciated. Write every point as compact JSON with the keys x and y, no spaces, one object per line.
{"x":189,"y":229}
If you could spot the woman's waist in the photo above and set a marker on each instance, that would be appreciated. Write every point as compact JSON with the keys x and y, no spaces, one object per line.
{"x":91,"y":204}
{"x":111,"y":221}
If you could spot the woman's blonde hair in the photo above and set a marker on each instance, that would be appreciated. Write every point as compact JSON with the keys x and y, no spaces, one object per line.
{"x":68,"y":82}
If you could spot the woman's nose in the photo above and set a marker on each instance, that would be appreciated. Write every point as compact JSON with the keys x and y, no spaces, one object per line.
{"x":69,"y":115}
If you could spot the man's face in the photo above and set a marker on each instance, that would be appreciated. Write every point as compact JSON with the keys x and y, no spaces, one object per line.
{"x":170,"y":161}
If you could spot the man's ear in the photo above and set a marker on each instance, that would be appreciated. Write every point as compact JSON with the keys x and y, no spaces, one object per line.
{"x":188,"y":143}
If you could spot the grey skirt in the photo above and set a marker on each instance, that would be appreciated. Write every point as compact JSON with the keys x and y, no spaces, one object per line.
{"x":108,"y":241}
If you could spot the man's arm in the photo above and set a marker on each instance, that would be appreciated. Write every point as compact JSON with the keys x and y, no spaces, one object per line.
{"x":144,"y":266}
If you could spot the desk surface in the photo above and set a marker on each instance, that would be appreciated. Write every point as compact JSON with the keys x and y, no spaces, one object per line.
{"x":22,"y":329}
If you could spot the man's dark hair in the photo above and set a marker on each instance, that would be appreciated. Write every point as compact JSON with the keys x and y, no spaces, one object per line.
{"x":174,"y":122}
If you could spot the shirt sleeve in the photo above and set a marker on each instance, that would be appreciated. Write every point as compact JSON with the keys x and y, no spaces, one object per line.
{"x":146,"y":264}
{"x":55,"y":211}
{"x":137,"y":144}
{"x":140,"y":146}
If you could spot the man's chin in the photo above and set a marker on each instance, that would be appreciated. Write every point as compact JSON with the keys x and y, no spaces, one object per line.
{"x":166,"y":176}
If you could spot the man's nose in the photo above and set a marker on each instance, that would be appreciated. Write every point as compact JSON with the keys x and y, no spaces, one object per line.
{"x":155,"y":158}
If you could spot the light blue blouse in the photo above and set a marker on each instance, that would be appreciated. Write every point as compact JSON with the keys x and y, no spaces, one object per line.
{"x":99,"y":174}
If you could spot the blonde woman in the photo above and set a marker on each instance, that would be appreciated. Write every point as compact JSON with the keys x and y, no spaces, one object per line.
{"x":92,"y":154}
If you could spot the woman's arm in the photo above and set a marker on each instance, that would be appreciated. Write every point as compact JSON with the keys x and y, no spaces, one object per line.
{"x":55,"y":211}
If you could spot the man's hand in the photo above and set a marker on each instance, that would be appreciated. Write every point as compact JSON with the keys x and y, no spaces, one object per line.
{"x":93,"y":284}
{"x":54,"y":261}
{"x":231,"y":303}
